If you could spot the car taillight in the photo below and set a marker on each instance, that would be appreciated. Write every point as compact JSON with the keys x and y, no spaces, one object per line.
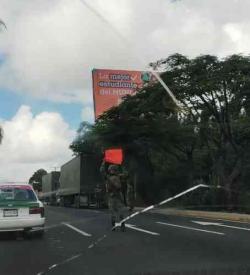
{"x":37,"y":210}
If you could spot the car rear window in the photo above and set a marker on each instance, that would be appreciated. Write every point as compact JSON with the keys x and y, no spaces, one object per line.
{"x":16,"y":193}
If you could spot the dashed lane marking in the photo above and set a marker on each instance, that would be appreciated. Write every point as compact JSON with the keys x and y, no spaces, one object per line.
{"x":77,"y":230}
{"x":97,"y":242}
{"x":59,"y":264}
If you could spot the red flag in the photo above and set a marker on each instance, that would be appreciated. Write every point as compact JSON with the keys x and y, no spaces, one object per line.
{"x":114,"y":156}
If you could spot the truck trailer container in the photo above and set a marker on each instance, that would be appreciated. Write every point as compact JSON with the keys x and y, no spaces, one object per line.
{"x":50,"y":185}
{"x":79,"y":180}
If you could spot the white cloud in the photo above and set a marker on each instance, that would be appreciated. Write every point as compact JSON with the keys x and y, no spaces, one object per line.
{"x":88,"y":114}
{"x":52,"y":45}
{"x":52,"y":50}
{"x":32,"y":142}
{"x":239,"y":35}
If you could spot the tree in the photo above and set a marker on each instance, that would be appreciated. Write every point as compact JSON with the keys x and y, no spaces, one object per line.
{"x":217,"y":94}
{"x":85,"y":141}
{"x":207,"y":139}
{"x":141,"y":125}
{"x":36,"y":179}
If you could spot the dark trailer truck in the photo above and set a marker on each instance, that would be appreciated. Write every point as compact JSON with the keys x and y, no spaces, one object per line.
{"x":79,"y":180}
{"x":50,"y":185}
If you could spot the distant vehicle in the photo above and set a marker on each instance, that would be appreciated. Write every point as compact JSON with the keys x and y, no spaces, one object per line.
{"x":78,"y":181}
{"x":20,"y":209}
{"x":50,"y":185}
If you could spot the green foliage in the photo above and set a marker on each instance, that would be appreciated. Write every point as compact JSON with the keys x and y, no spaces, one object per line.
{"x":36,"y":179}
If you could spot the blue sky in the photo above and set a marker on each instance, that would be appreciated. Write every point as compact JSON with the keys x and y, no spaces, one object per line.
{"x":10,"y":102}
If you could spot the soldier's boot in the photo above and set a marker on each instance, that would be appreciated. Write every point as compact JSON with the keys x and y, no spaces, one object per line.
{"x":130,"y":210}
{"x":123,"y":227}
{"x":113,"y":223}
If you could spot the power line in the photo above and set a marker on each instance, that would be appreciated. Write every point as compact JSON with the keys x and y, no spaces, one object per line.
{"x":128,"y":43}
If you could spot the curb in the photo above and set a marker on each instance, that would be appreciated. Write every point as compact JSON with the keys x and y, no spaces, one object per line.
{"x":233,"y":217}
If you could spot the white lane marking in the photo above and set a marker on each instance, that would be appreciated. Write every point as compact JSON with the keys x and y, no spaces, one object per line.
{"x":59,"y":264}
{"x":97,"y":242}
{"x":216,"y":219}
{"x":102,"y":238}
{"x":131,"y":226}
{"x":53,"y":266}
{"x":221,"y":225}
{"x":232,"y":221}
{"x":72,"y":258}
{"x":119,"y":224}
{"x":191,"y":228}
{"x":77,"y":230}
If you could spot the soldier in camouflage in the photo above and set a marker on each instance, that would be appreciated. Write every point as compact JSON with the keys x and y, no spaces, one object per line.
{"x":114,"y":189}
{"x":124,"y":181}
{"x":130,"y":195}
{"x":127,"y":189}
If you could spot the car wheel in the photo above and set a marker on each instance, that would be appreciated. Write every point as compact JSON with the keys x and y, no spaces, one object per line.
{"x":27,"y":234}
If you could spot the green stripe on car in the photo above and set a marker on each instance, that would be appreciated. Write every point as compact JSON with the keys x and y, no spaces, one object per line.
{"x":18,"y":204}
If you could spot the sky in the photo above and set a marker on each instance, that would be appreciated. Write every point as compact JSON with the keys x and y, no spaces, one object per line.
{"x":50,"y":47}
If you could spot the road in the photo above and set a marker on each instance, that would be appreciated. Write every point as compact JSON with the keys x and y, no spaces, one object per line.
{"x":79,"y":241}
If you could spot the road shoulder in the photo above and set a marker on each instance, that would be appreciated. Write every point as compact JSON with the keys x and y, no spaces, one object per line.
{"x":232,"y":217}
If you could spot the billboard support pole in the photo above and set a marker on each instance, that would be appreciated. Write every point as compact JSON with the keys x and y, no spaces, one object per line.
{"x":166,"y":88}
{"x":93,"y":94}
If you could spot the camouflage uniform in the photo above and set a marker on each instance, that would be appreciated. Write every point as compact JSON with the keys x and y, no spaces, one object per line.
{"x":127,"y":189}
{"x":116,"y":204}
{"x":104,"y":171}
{"x":124,"y":183}
{"x":130,"y":196}
{"x":98,"y":196}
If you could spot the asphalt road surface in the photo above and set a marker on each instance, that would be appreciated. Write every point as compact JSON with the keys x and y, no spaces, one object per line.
{"x":79,"y":241}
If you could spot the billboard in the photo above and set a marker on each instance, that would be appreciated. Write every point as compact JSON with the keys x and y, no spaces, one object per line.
{"x":110,"y":86}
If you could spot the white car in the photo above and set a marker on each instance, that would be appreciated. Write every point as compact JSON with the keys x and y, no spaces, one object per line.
{"x":20,"y":209}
